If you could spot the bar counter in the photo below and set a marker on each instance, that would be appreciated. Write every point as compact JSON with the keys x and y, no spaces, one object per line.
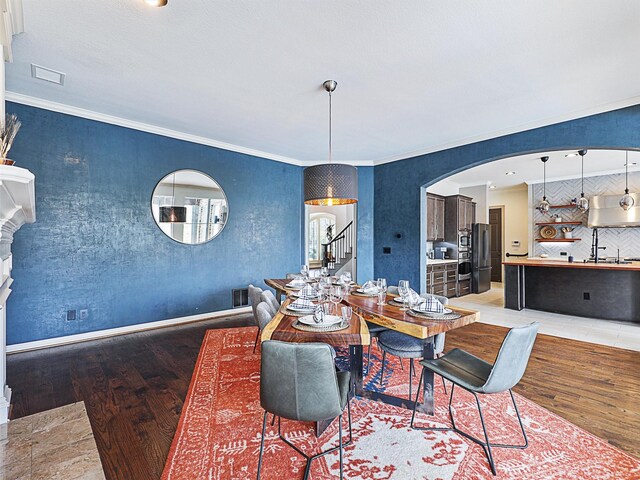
{"x":596,"y":290}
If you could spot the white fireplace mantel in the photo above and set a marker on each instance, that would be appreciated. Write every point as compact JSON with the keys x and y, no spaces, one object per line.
{"x":17,"y":207}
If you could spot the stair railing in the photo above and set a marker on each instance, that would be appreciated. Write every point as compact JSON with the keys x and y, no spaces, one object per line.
{"x":338,"y":247}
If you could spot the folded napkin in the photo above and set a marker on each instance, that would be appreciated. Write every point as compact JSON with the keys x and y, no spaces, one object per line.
{"x":308,"y":292}
{"x":413,"y":297}
{"x":303,"y":304}
{"x":431,"y":305}
{"x":318,"y":314}
{"x":370,"y":288}
{"x":297,"y":282}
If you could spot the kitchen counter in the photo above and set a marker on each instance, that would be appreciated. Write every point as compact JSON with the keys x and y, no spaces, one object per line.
{"x":435,"y":261}
{"x":528,"y":262}
{"x":596,"y":290}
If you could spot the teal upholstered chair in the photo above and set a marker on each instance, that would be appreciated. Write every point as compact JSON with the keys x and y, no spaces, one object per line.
{"x":299,"y":381}
{"x":477,"y":376}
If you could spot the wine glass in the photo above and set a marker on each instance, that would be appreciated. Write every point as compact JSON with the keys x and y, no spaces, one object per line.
{"x":335,"y":296}
{"x":347,"y":277}
{"x":347,"y":313}
{"x":324,"y":271}
{"x":304,"y":270}
{"x":403,"y":290}
{"x":382,"y":291}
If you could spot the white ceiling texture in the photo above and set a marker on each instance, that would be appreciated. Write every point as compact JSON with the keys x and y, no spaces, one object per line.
{"x":414,"y":76}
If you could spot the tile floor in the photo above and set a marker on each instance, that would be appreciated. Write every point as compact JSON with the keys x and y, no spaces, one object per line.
{"x":604,"y":332}
{"x":53,"y":445}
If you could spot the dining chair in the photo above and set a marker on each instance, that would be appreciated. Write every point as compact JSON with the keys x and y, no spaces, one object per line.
{"x":298,"y":381}
{"x":270,"y":298}
{"x":254,"y":299}
{"x":264,"y":315}
{"x":479,"y":377}
{"x":402,"y":346}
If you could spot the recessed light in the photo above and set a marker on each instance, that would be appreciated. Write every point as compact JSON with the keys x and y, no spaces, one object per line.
{"x":510,"y":173}
{"x":156,"y":3}
{"x":571,"y":155}
{"x":46,"y":74}
{"x":492,"y":187}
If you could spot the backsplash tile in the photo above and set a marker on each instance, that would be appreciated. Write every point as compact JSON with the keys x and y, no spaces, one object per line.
{"x":561,"y":193}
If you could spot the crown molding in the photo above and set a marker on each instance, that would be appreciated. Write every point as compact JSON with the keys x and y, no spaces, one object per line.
{"x":144,"y":127}
{"x":166,"y":132}
{"x":608,"y":107}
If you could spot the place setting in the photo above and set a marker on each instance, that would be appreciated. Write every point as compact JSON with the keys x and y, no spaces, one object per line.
{"x":321,"y":320}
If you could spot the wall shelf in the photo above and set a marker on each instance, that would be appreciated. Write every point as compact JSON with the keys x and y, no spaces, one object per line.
{"x":571,"y":205}
{"x":558,"y":240}
{"x":558,"y":223}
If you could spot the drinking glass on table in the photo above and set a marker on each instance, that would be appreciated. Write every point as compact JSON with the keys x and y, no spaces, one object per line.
{"x":347,"y":312}
{"x":324,"y":271}
{"x":403,"y":290}
{"x":335,"y":296}
{"x":304,"y":270}
{"x":347,"y":277}
{"x":381,"y":283}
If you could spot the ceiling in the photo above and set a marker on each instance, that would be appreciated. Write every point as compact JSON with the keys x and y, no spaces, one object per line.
{"x":413,"y":76}
{"x":527,"y":169}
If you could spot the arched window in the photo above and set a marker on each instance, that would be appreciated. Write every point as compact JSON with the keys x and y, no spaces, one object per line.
{"x":318,"y":223}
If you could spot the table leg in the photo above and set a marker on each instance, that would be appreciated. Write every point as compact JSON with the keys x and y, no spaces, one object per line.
{"x":427,"y":403}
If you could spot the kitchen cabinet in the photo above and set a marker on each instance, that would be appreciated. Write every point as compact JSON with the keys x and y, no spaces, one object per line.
{"x":442,"y":279}
{"x":435,"y":217}
{"x":460,"y":215}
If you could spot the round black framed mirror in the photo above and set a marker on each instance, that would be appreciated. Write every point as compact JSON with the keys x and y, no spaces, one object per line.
{"x":190,"y":207}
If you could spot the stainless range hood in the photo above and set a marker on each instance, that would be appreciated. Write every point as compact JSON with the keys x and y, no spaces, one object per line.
{"x":605,"y":211}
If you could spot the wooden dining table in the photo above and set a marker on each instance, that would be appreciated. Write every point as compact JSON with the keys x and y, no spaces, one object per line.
{"x":357,"y":336}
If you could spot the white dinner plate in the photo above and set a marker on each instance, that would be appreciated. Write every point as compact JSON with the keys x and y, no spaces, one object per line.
{"x":328,"y":320}
{"x":359,"y":290}
{"x":297,"y":295}
{"x":425,"y":312}
{"x":296,"y":309}
{"x":296,"y":285}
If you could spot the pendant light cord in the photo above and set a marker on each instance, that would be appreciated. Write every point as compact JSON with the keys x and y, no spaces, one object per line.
{"x":626,"y":173}
{"x":582,"y":182}
{"x":330,"y":149}
{"x":544,"y":181}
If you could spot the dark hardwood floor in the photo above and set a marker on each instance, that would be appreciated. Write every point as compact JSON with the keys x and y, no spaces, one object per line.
{"x":134,"y":386}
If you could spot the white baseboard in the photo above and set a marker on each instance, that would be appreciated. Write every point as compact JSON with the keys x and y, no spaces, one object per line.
{"x":112,"y":332}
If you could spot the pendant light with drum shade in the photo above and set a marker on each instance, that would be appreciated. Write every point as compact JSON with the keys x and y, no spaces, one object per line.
{"x":543,"y":206}
{"x":330,"y":183}
{"x":173,"y":213}
{"x":583,"y":203}
{"x":627,"y":201}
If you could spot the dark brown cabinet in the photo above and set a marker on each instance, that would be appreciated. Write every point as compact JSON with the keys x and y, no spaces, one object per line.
{"x":460,"y":215}
{"x":435,"y":218}
{"x":442,"y":279}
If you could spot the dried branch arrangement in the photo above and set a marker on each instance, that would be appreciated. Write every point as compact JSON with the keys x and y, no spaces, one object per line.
{"x":8,"y":134}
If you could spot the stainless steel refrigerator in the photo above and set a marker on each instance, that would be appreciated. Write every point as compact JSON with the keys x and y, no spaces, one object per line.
{"x":480,"y":258}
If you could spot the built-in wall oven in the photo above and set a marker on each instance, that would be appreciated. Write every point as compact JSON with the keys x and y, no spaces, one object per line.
{"x":464,"y":265}
{"x":464,"y":239}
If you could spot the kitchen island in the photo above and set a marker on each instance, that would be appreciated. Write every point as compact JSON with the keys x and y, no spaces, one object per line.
{"x":597,"y":290}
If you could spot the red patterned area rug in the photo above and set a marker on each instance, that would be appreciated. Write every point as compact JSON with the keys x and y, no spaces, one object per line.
{"x":218,"y":436}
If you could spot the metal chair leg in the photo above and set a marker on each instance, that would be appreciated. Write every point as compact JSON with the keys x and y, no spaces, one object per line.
{"x":487,"y":446}
{"x":273,"y":420}
{"x":410,"y":376}
{"x":255,"y":344}
{"x":384,"y":356}
{"x":340,"y":445}
{"x":264,"y":428}
{"x":444,"y":385}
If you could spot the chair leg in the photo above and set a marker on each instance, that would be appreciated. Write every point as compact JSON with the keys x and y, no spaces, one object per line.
{"x":368,"y":358}
{"x":264,"y":428}
{"x":410,"y":377}
{"x":444,"y":385}
{"x":384,"y":356}
{"x":273,"y":420}
{"x":487,"y":446}
{"x":340,"y":440}
{"x":255,"y":344}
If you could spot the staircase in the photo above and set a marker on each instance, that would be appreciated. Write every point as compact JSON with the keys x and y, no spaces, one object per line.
{"x":337,"y":253}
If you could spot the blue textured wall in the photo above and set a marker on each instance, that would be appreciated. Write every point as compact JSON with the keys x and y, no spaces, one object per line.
{"x":397,"y":184}
{"x":95,"y":244}
{"x":365,"y":224}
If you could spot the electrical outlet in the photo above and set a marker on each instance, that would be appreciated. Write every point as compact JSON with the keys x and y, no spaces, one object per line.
{"x":83,"y":314}
{"x":71,"y":315}
{"x":586,"y":296}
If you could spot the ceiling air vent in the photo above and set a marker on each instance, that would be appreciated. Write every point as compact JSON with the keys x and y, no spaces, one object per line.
{"x":46,"y":74}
